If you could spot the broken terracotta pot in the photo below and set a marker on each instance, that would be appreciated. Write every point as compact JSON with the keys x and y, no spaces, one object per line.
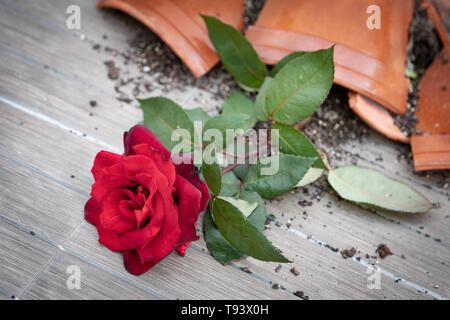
{"x":376,"y":116}
{"x":368,"y":61}
{"x":431,"y":149}
{"x":179,"y":24}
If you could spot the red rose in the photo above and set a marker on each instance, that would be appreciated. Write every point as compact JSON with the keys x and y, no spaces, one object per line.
{"x":142,"y":204}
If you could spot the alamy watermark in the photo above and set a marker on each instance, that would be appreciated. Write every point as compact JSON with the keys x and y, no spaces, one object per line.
{"x":74,"y":279}
{"x":234,"y":146}
{"x":374,"y":278}
{"x":73,"y":21}
{"x":374,"y":20}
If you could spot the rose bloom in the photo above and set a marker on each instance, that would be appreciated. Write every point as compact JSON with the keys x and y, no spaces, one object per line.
{"x":142,"y":204}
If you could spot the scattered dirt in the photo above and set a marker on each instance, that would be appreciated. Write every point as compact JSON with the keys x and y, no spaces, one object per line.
{"x":348,"y":253}
{"x":383,"y":251}
{"x":300,"y":294}
{"x":334,"y":123}
{"x":331,"y":126}
{"x":423,"y":48}
{"x":295,"y":272}
{"x":245,"y":269}
{"x":252,"y":9}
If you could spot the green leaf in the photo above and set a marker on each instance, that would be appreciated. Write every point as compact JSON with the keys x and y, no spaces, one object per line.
{"x":236,"y":53}
{"x":260,"y":102}
{"x":310,"y":176}
{"x":285,"y":61}
{"x":291,"y":170}
{"x":241,"y":234}
{"x":232,"y":121}
{"x":230,"y":184}
{"x":292,"y":141}
{"x":241,"y":170}
{"x":245,"y":207}
{"x":258,"y":216}
{"x":211,"y":173}
{"x":369,"y":187}
{"x":238,"y":103}
{"x":197,"y":114}
{"x":220,"y":248}
{"x":163,"y":116}
{"x":299,"y":88}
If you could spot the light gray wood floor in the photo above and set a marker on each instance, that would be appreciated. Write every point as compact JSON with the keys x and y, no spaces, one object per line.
{"x":48,"y":143}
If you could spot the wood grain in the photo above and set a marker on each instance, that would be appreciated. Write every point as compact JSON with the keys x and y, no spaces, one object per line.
{"x":50,"y":135}
{"x":95,"y":283}
{"x":21,"y":258}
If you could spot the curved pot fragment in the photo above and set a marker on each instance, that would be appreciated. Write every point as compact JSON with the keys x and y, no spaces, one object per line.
{"x":376,"y":116}
{"x":368,"y":60}
{"x":179,"y":24}
{"x":431,"y":149}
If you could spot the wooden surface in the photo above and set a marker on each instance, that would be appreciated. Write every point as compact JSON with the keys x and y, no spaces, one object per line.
{"x":49,"y":140}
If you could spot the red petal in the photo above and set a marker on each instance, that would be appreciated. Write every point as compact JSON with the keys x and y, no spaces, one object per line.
{"x":103,"y":159}
{"x":91,"y":211}
{"x":190,"y":173}
{"x":110,"y":217}
{"x":163,"y":163}
{"x":105,"y":185}
{"x":140,"y":134}
{"x":133,"y":263}
{"x":189,"y":198}
{"x":126,"y":210}
{"x":205,"y":195}
{"x":120,"y":175}
{"x":113,"y":241}
{"x":181,"y":249}
{"x":141,"y":238}
{"x":169,"y":234}
{"x":137,"y":164}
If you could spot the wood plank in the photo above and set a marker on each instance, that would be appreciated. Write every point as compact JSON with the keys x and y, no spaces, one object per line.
{"x":30,"y":196}
{"x":378,"y":147}
{"x":195,"y":276}
{"x":426,"y":261}
{"x":52,"y":152}
{"x":27,"y":83}
{"x":39,"y":219}
{"x":356,"y":151}
{"x":39,"y":204}
{"x":22,"y":255}
{"x":347,"y":226}
{"x":95,"y":283}
{"x":325,"y":274}
{"x":118,"y":27}
{"x":61,"y":154}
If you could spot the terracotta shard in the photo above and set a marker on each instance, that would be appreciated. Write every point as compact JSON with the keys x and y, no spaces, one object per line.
{"x":368,"y":61}
{"x":431,"y":152}
{"x":376,"y":116}
{"x":179,"y":24}
{"x":431,"y":149}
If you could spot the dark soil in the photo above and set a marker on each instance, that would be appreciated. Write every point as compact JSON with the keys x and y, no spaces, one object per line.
{"x":423,"y":47}
{"x":252,"y":9}
{"x":331,"y":126}
{"x":348,"y":253}
{"x":383,"y":251}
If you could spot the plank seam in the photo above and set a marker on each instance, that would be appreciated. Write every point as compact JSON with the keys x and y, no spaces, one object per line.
{"x":102,"y":144}
{"x":70,"y":252}
{"x":51,"y":25}
{"x":407,"y":283}
{"x":300,"y":235}
{"x":365,"y":264}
